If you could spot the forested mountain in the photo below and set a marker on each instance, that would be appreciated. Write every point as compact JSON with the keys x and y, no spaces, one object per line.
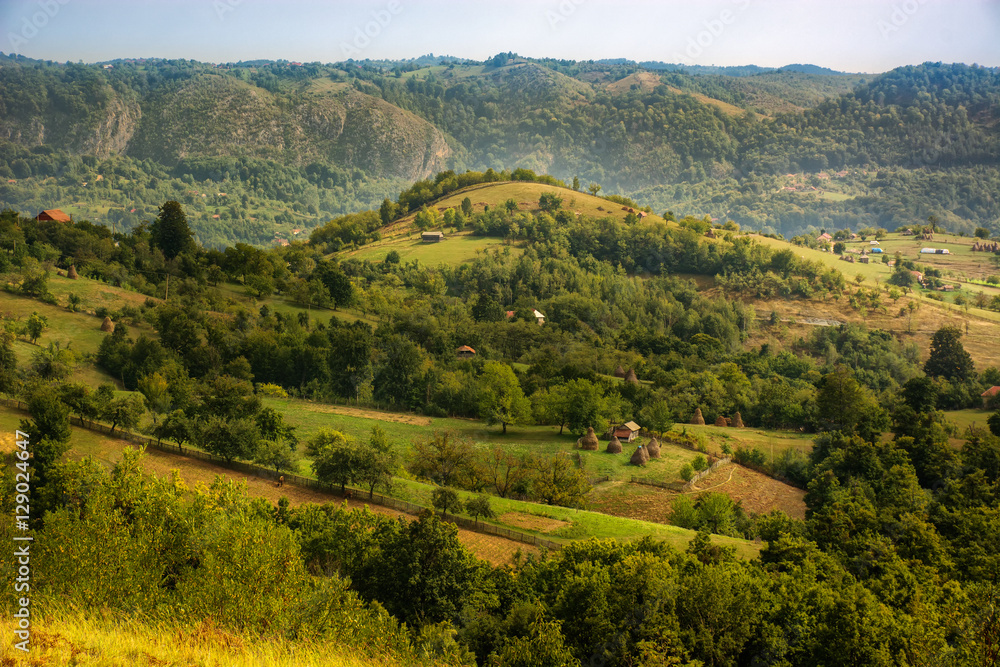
{"x":294,"y":145}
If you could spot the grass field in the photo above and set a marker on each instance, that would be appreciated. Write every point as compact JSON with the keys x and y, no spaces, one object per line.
{"x":456,"y":249}
{"x":64,"y":637}
{"x":404,"y":429}
{"x":979,"y":326}
{"x":966,"y":418}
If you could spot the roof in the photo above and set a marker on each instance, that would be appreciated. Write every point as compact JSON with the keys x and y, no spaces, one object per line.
{"x":538,"y":314}
{"x":427,"y":234}
{"x":632,"y":426}
{"x":992,"y":391}
{"x":465,"y":348}
{"x":54,"y":214}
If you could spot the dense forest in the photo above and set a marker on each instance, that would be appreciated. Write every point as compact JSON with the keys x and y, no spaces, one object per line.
{"x":895,"y":563}
{"x":255,"y":150}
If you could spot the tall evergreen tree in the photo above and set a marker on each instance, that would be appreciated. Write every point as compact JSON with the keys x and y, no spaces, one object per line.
{"x":948,"y":357}
{"x":170,"y":230}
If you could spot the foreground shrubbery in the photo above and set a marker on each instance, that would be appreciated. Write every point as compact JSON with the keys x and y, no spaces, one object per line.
{"x":878,"y":575}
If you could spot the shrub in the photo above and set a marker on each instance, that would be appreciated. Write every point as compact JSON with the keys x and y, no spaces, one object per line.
{"x":699,"y":463}
{"x":687,"y":472}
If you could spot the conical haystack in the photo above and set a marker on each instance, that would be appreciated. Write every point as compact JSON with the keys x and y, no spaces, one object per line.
{"x":737,"y":421}
{"x":589,"y":441}
{"x":72,"y":274}
{"x":653,"y":448}
{"x":631,"y":377}
{"x":698,"y":419}
{"x":107,"y":325}
{"x":614,"y":446}
{"x":721,"y":421}
{"x":639,"y":456}
{"x":619,"y":371}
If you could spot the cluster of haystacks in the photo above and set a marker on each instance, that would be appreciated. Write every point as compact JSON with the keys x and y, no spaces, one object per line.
{"x":653,"y":448}
{"x":619,"y":372}
{"x":614,"y":446}
{"x":698,"y":419}
{"x":721,"y":421}
{"x":588,"y":441}
{"x":72,"y":274}
{"x":639,"y":457}
{"x":631,"y":377}
{"x":737,"y":421}
{"x":107,"y":325}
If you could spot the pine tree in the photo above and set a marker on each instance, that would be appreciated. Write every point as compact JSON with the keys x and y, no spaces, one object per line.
{"x":170,"y":230}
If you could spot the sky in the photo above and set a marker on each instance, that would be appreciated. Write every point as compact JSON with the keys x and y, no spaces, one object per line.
{"x":846,"y":35}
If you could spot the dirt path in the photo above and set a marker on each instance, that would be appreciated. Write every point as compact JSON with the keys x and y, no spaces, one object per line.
{"x":194,"y":472}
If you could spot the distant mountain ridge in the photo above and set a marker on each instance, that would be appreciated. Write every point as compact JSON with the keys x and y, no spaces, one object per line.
{"x":718,"y":139}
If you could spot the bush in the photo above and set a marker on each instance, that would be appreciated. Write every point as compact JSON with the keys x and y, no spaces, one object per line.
{"x":750,"y":457}
{"x":687,"y":472}
{"x":699,"y":463}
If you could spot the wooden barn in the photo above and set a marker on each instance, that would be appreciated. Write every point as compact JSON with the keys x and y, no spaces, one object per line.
{"x":432,"y":237}
{"x":53,"y":214}
{"x":465,"y":352}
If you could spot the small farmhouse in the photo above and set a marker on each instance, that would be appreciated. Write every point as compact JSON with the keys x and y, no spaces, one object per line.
{"x":989,"y":394}
{"x":53,"y":214}
{"x":465,"y":352}
{"x":432,"y":237}
{"x":628,"y":431}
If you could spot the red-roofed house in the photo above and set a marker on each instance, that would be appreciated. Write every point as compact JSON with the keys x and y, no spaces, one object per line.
{"x":825,"y":237}
{"x":989,"y":394}
{"x":627,"y":432}
{"x":465,"y":352}
{"x":53,"y":214}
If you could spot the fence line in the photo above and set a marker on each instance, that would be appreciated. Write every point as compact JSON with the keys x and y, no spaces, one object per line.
{"x":672,"y":486}
{"x":298,"y":480}
{"x":705,"y":473}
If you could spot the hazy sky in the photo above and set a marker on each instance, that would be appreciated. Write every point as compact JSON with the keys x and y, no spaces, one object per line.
{"x":849,"y":35}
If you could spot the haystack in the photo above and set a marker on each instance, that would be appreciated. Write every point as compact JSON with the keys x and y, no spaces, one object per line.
{"x":614,"y":446}
{"x":107,"y":325}
{"x":698,"y":419}
{"x":631,"y":378}
{"x":72,"y":274}
{"x":639,"y":456}
{"x":619,"y":371}
{"x":737,"y":421}
{"x":721,"y":421}
{"x":653,"y":448}
{"x":589,"y":441}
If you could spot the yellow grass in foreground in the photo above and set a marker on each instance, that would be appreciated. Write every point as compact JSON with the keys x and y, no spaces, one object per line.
{"x":109,"y":642}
